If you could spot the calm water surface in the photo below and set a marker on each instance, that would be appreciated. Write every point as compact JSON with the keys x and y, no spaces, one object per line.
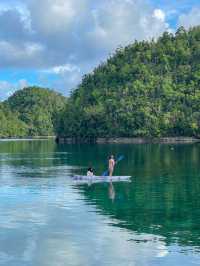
{"x":48,"y":220}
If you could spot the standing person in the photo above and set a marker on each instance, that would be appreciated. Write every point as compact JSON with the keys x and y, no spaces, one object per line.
{"x":111,"y":165}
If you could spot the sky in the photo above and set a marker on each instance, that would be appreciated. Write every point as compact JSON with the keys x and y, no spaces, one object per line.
{"x":53,"y":43}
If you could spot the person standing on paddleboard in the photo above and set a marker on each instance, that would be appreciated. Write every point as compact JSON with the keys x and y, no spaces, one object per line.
{"x":111,"y":165}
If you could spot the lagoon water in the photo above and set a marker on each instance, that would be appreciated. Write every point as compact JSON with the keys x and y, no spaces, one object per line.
{"x":48,"y":220}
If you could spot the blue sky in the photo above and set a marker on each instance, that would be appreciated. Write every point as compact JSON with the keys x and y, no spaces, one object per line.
{"x":57,"y":47}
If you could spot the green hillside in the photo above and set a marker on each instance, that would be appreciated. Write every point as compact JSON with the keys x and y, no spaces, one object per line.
{"x":37,"y":108}
{"x":145,"y":89}
{"x":11,"y":126}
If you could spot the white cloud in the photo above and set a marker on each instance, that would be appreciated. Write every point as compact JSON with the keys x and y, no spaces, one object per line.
{"x":190,"y":19}
{"x":121,"y":22}
{"x":18,"y":55}
{"x":71,"y":37}
{"x":31,"y":49}
{"x":80,"y":30}
{"x":4,"y":84}
{"x":57,"y":18}
{"x":159,"y":14}
{"x":8,"y":88}
{"x":62,"y":69}
{"x":68,"y":76}
{"x":22,"y":83}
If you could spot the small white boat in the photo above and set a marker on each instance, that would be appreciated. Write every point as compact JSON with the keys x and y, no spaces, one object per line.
{"x":98,"y":179}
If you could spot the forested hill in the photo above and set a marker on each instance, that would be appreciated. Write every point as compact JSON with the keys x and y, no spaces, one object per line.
{"x":10,"y":125}
{"x":145,"y":89}
{"x":32,"y":111}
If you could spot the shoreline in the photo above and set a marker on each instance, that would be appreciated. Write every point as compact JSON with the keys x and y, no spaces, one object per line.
{"x":65,"y":140}
{"x":164,"y":140}
{"x":27,"y":138}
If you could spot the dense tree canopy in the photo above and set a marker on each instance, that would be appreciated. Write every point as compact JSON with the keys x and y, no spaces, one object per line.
{"x":32,"y":111}
{"x":149,"y":88}
{"x":10,"y":125}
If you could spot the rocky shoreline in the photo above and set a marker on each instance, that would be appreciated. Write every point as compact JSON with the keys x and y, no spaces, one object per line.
{"x":165,"y":140}
{"x":27,"y":138}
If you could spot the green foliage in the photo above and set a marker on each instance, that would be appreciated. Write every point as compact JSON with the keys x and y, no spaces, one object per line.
{"x":11,"y":126}
{"x":146,"y":89}
{"x":32,"y":111}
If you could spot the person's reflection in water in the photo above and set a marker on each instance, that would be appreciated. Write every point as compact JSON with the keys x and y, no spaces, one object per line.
{"x":90,"y":182}
{"x":111,"y":191}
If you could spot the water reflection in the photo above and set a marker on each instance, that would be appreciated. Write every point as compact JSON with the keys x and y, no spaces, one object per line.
{"x":111,"y":191}
{"x":163,"y":198}
{"x":46,"y":219}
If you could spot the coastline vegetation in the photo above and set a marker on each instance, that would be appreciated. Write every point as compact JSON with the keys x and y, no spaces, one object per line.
{"x":147,"y":89}
{"x":32,"y":111}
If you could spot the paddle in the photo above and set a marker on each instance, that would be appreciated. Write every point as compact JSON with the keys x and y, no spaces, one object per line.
{"x":121,"y":157}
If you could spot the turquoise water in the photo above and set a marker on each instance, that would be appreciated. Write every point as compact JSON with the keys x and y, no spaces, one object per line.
{"x":48,"y":220}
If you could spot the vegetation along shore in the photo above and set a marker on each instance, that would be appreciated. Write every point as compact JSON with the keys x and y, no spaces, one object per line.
{"x":148,"y":90}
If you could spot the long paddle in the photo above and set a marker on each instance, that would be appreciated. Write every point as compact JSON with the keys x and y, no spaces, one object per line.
{"x":121,"y":157}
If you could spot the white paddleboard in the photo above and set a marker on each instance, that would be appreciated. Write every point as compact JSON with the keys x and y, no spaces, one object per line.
{"x":98,"y":179}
